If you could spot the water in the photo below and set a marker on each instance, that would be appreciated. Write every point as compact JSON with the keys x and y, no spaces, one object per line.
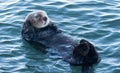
{"x":94,"y":20}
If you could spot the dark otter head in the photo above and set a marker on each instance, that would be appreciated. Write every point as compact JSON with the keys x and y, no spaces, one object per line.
{"x":84,"y":53}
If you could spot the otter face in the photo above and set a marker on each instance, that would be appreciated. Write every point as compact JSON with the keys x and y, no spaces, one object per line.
{"x":38,"y":19}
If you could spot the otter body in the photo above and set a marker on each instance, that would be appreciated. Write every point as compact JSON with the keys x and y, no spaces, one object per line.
{"x":38,"y":30}
{"x":49,"y":37}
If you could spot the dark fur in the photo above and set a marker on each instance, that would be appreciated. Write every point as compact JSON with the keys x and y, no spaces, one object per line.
{"x":52,"y":37}
{"x":49,"y":36}
{"x":85,"y":61}
{"x":89,"y":59}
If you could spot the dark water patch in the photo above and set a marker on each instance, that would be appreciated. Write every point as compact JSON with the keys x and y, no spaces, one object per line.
{"x":109,"y":10}
{"x":114,"y":23}
{"x":110,"y":38}
{"x":107,"y":16}
{"x":92,"y":32}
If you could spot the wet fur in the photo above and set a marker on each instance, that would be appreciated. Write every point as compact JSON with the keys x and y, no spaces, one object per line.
{"x":51,"y":37}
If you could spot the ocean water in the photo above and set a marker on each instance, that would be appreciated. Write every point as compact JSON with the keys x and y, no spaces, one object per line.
{"x":98,"y":21}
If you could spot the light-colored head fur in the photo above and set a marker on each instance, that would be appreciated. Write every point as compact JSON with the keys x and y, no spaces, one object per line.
{"x":38,"y":19}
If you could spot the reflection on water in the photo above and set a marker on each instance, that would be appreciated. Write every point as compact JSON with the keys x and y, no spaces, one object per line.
{"x":96,"y":21}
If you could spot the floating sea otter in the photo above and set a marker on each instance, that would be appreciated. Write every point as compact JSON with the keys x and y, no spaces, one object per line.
{"x":38,"y":30}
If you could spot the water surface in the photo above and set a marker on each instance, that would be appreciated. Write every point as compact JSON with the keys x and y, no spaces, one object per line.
{"x":94,"y":20}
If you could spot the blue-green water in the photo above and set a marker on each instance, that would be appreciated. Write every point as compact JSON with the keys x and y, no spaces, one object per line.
{"x":98,"y":21}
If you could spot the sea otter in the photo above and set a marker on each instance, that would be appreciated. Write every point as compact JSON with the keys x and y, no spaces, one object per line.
{"x":38,"y":30}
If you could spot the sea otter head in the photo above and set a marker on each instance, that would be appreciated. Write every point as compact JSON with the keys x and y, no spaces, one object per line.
{"x":38,"y":19}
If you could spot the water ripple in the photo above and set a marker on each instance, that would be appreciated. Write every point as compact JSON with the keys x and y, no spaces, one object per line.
{"x":96,"y":21}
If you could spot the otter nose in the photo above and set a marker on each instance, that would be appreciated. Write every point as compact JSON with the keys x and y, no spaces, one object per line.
{"x":45,"y":18}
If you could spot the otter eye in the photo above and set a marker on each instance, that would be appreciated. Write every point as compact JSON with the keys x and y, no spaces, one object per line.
{"x":45,"y":18}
